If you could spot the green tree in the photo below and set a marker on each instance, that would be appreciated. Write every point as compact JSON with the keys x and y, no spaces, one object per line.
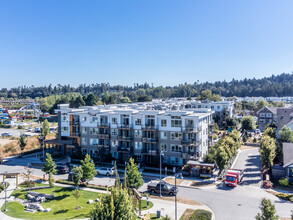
{"x":286,"y":135}
{"x":88,"y":168}
{"x":144,"y":98}
{"x":45,"y":129}
{"x":77,"y":175}
{"x":221,"y":157}
{"x":267,"y":211}
{"x":117,"y":205}
{"x":134,"y":178}
{"x":77,"y":102}
{"x":49,"y":168}
{"x":125,"y":100}
{"x":22,"y":142}
{"x":269,"y":131}
{"x":91,"y":100}
{"x":77,"y":194}
{"x":248,"y":123}
{"x":267,"y":151}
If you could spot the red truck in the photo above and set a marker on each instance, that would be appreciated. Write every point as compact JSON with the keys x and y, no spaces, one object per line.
{"x":233,"y":177}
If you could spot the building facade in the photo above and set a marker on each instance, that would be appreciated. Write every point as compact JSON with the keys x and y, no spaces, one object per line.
{"x":265,"y":116}
{"x":135,"y":131}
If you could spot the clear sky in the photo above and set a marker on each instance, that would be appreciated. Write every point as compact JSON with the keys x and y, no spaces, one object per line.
{"x":164,"y":42}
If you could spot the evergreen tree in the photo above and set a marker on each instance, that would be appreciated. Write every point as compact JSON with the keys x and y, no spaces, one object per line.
{"x":117,"y":205}
{"x":49,"y":168}
{"x":91,"y":100}
{"x":77,"y":175}
{"x":88,"y":168}
{"x":45,"y":129}
{"x":248,"y":123}
{"x":22,"y":142}
{"x":134,"y":178}
{"x":268,"y":211}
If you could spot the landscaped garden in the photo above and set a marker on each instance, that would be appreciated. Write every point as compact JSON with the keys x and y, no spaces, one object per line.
{"x":62,"y":206}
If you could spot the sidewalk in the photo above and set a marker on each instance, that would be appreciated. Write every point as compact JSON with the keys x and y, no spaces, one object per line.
{"x":10,"y":189}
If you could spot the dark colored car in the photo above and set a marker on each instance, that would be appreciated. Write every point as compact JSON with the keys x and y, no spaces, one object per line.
{"x":62,"y":169}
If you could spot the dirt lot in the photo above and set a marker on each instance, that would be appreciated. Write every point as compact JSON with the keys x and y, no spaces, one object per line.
{"x":245,"y":147}
{"x":5,"y":141}
{"x":171,"y":180}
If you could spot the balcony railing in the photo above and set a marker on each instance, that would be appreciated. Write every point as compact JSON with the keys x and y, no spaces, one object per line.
{"x":149,"y":151}
{"x":149,"y":127}
{"x":103,"y":125}
{"x":103,"y":136}
{"x":151,"y":140}
{"x":191,"y":142}
{"x":192,"y":129}
{"x":125,"y":126}
{"x":123,"y":149}
{"x":74,"y":134}
{"x":125,"y":138}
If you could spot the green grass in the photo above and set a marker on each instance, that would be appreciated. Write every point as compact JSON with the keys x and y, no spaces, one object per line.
{"x":144,"y":205}
{"x":62,"y":206}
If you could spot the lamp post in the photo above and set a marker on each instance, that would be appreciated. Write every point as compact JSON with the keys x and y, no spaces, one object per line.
{"x":5,"y":184}
{"x":161,"y":154}
{"x":176,"y":175}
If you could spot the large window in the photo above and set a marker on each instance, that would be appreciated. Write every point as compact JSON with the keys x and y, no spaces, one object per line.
{"x":84,"y":141}
{"x":163,"y":123}
{"x":114,"y":121}
{"x":176,"y":121}
{"x":176,"y":148}
{"x":64,"y":129}
{"x":94,"y":141}
{"x":137,"y":133}
{"x":94,"y":131}
{"x":163,"y":134}
{"x":138,"y":121}
{"x":83,"y":130}
{"x":176,"y":135}
{"x":114,"y":143}
{"x":114,"y":132}
{"x":138,"y":145}
{"x":164,"y":147}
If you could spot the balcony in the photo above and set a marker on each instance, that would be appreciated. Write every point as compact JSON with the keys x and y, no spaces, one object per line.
{"x":103,"y":136}
{"x":125,"y":126}
{"x":191,"y":142}
{"x":103,"y":145}
{"x":149,"y":152}
{"x":150,"y":140}
{"x":191,"y":129}
{"x":149,"y":127}
{"x":124,"y":138}
{"x":189,"y":156}
{"x":123,"y":149}
{"x":74,"y":134}
{"x":74,"y":123}
{"x":103,"y":125}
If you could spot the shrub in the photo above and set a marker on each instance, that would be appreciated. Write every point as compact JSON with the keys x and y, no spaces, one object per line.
{"x":201,"y":214}
{"x":267,"y":184}
{"x":20,"y":127}
{"x":284,"y":182}
{"x":2,"y":187}
{"x":283,"y":196}
{"x":29,"y":183}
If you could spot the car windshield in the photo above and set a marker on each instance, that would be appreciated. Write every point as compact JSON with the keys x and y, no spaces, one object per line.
{"x":169,"y":186}
{"x":230,"y":178}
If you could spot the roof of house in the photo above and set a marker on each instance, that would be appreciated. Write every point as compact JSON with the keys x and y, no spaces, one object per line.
{"x":271,"y":109}
{"x":287,"y":154}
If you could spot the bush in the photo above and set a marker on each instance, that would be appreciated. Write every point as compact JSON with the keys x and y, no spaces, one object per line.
{"x":284,"y":196}
{"x":29,"y":183}
{"x":20,"y":127}
{"x":284,"y":182}
{"x":267,"y":184}
{"x":201,"y":214}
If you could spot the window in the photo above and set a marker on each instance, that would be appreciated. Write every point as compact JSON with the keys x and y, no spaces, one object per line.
{"x":64,"y":129}
{"x":189,"y":123}
{"x":137,"y":133}
{"x":269,"y":115}
{"x":163,"y":135}
{"x":84,"y":141}
{"x":262,"y":115}
{"x":138,"y":145}
{"x":83,"y":130}
{"x":176,"y":161}
{"x":114,"y":121}
{"x":84,"y":151}
{"x":164,"y":147}
{"x":114,"y":143}
{"x":176,"y":148}
{"x":94,"y":141}
{"x":138,"y":157}
{"x":114,"y":132}
{"x":94,"y":119}
{"x":163,"y":123}
{"x":176,"y":121}
{"x":84,"y":119}
{"x":138,"y":121}
{"x":190,"y":149}
{"x":94,"y":130}
{"x":176,"y":135}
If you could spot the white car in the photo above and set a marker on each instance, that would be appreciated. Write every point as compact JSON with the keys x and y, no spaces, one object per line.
{"x":105,"y":171}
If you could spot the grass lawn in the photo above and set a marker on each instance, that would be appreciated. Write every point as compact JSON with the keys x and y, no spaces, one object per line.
{"x":144,"y":205}
{"x":62,"y":206}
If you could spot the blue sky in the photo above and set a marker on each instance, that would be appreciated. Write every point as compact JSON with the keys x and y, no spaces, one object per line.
{"x":164,"y":42}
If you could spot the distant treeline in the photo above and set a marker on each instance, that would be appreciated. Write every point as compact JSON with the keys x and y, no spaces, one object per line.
{"x":281,"y":85}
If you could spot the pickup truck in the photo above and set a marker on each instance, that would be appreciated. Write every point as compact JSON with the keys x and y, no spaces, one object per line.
{"x":233,"y":177}
{"x":166,"y":188}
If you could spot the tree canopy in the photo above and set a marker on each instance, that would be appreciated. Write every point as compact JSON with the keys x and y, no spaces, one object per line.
{"x":134,"y":178}
{"x":286,"y":135}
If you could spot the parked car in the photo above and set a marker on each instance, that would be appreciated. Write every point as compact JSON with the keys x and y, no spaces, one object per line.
{"x":62,"y":169}
{"x":6,"y":135}
{"x":37,"y":130}
{"x":105,"y":171}
{"x":30,"y":129}
{"x":166,"y":188}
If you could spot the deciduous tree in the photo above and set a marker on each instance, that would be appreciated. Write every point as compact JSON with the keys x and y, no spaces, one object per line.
{"x":267,"y":211}
{"x":267,"y":150}
{"x":88,"y":168}
{"x":134,"y":178}
{"x":49,"y":168}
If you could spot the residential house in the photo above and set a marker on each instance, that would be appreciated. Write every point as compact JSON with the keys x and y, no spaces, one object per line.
{"x":265,"y":116}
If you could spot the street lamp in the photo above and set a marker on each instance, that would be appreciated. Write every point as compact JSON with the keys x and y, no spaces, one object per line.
{"x":176,"y":175}
{"x":161,"y":154}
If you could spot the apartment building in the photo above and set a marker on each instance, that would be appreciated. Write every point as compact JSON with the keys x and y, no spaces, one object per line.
{"x":135,"y":131}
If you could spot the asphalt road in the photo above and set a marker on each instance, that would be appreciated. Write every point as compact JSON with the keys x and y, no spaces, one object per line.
{"x":16,"y":132}
{"x":241,"y":203}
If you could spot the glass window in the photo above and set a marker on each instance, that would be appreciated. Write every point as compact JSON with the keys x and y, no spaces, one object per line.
{"x":64,"y":129}
{"x":163,"y":135}
{"x":114,"y":132}
{"x":164,"y":147}
{"x":83,"y":141}
{"x":137,"y":133}
{"x":94,"y":141}
{"x":176,"y":135}
{"x":138,"y":145}
{"x":176,"y":121}
{"x":83,"y":130}
{"x":114,"y":121}
{"x":114,"y":143}
{"x":163,"y":123}
{"x":176,"y":148}
{"x":138,"y":121}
